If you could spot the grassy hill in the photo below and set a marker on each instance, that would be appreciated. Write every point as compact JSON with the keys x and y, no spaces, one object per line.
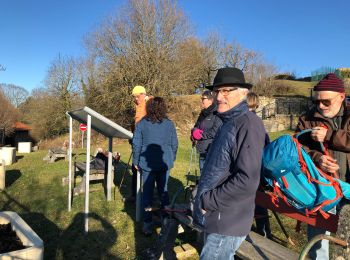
{"x":302,"y":88}
{"x":296,"y":87}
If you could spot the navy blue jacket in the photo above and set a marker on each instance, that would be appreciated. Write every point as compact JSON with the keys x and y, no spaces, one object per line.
{"x":231,"y":174}
{"x":154,"y":145}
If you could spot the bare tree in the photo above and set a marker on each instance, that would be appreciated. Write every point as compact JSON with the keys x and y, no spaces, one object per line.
{"x":8,"y":115}
{"x":45,"y":109}
{"x":212,"y":55}
{"x":141,"y":45}
{"x":61,"y":80}
{"x":15,"y":94}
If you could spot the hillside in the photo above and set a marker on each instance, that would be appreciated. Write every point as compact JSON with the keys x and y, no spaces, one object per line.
{"x":296,"y":87}
{"x":303,"y":88}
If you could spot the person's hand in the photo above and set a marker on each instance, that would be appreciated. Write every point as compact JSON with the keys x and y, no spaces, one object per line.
{"x":197,"y":134}
{"x":319,"y":133}
{"x":191,"y":138}
{"x":136,"y":167}
{"x":203,"y":211}
{"x":328,"y":164}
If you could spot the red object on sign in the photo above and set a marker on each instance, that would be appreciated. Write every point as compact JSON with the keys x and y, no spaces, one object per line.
{"x":82,"y":127}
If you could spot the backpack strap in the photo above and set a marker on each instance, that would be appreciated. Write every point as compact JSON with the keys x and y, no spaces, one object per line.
{"x":331,"y":179}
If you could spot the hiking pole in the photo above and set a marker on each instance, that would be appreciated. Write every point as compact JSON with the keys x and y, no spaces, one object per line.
{"x":195,"y":170}
{"x":126,"y":168}
{"x":283,"y":229}
{"x":189,"y":170}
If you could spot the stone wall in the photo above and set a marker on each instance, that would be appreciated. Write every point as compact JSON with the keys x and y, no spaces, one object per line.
{"x":281,"y":112}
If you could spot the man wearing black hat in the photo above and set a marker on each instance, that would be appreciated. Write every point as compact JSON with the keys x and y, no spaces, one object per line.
{"x":225,"y":200}
{"x":329,"y":120}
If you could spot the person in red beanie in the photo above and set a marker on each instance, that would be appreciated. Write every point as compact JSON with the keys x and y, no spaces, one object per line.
{"x":329,"y":120}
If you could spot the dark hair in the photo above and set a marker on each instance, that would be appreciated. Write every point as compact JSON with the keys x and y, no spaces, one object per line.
{"x":156,"y":109}
{"x":207,"y":94}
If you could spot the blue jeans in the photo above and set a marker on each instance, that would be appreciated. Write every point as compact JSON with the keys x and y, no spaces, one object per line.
{"x":262,"y":221}
{"x":149,"y":179}
{"x":220,"y":247}
{"x":320,"y":250}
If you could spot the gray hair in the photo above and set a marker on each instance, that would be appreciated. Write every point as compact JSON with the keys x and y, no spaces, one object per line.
{"x":243,"y":92}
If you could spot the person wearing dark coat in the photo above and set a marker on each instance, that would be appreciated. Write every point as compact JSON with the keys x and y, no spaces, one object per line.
{"x":154,"y":146}
{"x":225,"y":200}
{"x":329,"y":120}
{"x":206,"y":126}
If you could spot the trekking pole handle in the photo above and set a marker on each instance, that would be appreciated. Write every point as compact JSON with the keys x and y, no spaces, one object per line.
{"x":323,"y":149}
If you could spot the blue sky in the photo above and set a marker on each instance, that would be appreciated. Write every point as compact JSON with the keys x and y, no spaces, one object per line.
{"x":297,"y":36}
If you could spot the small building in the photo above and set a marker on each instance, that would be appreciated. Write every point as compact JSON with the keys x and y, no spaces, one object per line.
{"x":21,"y":133}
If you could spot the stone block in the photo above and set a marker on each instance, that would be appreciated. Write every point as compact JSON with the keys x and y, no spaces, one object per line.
{"x":24,"y":147}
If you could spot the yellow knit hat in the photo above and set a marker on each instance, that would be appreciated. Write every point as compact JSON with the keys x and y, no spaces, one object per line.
{"x":138,"y":90}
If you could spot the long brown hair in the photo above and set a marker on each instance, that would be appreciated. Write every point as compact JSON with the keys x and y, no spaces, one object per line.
{"x":156,"y":109}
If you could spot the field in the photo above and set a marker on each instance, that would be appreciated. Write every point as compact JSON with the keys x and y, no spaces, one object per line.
{"x":35,"y":191}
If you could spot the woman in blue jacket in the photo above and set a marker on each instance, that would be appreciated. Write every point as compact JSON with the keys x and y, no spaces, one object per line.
{"x":154,"y":151}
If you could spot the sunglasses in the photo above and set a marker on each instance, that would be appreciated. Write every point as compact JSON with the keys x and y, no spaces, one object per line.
{"x":223,"y":92}
{"x":326,"y":102}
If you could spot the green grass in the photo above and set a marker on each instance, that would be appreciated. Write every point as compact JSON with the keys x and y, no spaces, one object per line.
{"x":34,"y":190}
{"x":297,"y":87}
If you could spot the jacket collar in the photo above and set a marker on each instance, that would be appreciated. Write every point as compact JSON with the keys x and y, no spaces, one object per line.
{"x":240,"y":109}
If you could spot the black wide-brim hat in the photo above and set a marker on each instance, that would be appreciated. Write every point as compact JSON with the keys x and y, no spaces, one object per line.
{"x":230,"y":77}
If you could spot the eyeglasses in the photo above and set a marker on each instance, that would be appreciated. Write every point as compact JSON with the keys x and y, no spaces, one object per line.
{"x":204,"y":98}
{"x":326,"y":102}
{"x":224,"y":91}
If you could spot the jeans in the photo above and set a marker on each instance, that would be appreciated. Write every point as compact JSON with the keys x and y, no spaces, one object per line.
{"x":220,"y":247}
{"x":321,"y":249}
{"x":149,"y":179}
{"x":262,"y":221}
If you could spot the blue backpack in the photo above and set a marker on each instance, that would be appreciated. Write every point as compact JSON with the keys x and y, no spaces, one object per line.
{"x":289,"y":170}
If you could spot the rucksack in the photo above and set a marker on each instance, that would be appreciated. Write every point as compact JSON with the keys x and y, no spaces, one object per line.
{"x":294,"y":177}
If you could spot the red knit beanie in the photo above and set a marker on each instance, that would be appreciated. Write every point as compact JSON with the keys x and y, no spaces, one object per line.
{"x":330,"y":82}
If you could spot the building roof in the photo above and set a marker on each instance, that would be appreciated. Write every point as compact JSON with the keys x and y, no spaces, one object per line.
{"x":22,"y":127}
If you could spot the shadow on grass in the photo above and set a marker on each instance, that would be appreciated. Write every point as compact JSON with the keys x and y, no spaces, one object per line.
{"x":12,"y":176}
{"x":143,"y":243}
{"x":70,"y":243}
{"x":19,"y":157}
{"x":75,"y":244}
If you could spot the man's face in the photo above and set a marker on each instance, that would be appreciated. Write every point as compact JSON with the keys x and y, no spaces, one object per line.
{"x":328,"y":102}
{"x":139,"y":98}
{"x":227,"y":97}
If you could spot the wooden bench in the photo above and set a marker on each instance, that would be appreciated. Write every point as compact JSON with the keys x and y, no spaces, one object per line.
{"x":254,"y":247}
{"x":95,"y":174}
{"x":55,"y":154}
